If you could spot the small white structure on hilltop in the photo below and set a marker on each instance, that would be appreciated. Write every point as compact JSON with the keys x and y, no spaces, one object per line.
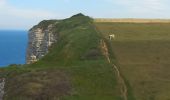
{"x":111,"y":36}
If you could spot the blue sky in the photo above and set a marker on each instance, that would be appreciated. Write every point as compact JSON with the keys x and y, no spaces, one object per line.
{"x":23,"y":14}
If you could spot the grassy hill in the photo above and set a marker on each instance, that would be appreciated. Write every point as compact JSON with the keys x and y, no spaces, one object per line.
{"x":85,"y":65}
{"x":74,"y":69}
{"x":142,"y":54}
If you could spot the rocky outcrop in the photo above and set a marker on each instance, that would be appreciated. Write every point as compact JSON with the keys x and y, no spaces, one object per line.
{"x":2,"y":85}
{"x":40,"y":39}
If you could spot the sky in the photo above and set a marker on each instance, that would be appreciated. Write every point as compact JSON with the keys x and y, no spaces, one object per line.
{"x":23,"y":14}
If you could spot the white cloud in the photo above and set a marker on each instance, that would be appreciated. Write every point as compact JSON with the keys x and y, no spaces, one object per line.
{"x":13,"y":17}
{"x":155,"y":5}
{"x":150,"y":4}
{"x":7,"y":9}
{"x":2,"y":2}
{"x":145,"y":8}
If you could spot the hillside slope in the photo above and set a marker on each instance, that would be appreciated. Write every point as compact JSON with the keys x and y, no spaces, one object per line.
{"x":75,"y":68}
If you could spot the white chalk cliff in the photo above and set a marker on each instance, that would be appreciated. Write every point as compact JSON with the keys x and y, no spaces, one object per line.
{"x":2,"y":85}
{"x":40,"y":39}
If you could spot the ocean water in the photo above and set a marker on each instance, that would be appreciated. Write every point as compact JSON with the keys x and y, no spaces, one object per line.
{"x":13,"y":46}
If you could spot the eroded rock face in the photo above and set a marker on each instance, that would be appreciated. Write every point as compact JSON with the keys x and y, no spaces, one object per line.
{"x":2,"y":85}
{"x":40,"y":40}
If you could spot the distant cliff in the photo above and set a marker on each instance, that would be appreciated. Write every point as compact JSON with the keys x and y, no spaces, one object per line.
{"x":41,"y":37}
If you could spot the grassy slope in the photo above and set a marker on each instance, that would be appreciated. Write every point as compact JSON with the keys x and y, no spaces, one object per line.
{"x":74,"y":69}
{"x":132,"y":31}
{"x":142,"y":52}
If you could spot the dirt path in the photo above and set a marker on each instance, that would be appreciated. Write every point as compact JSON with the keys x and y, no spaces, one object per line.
{"x":121,"y":82}
{"x":115,"y":68}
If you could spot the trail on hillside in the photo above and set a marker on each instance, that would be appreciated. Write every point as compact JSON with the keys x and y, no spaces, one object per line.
{"x":115,"y":68}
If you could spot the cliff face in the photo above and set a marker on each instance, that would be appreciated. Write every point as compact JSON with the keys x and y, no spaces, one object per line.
{"x":40,"y":39}
{"x":76,"y":61}
{"x":2,"y":84}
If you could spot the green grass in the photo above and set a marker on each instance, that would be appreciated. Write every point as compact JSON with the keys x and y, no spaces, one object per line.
{"x":136,"y":31}
{"x":142,"y":54}
{"x":74,"y":68}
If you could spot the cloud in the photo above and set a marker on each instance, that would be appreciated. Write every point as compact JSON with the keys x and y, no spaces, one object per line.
{"x":21,"y":18}
{"x":146,"y":8}
{"x":149,"y":4}
{"x":153,"y":5}
{"x":2,"y":2}
{"x":7,"y":9}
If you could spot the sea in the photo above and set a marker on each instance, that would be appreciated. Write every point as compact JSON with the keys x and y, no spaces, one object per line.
{"x":13,"y":44}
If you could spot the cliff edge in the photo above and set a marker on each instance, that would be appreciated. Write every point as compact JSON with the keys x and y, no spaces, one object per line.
{"x":69,"y":64}
{"x":41,"y":37}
